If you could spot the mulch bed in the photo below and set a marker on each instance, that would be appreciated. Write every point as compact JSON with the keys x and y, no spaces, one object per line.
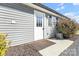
{"x":29,"y":49}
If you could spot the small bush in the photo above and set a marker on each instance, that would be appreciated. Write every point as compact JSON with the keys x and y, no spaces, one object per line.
{"x":67,"y":28}
{"x":3,"y":44}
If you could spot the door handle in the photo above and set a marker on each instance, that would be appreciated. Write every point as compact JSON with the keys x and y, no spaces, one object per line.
{"x":43,"y":28}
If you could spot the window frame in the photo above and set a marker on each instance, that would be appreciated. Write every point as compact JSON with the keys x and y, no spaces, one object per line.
{"x":49,"y":20}
{"x":39,"y":21}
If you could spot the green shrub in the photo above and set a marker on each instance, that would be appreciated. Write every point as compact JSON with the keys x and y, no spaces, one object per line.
{"x":67,"y":28}
{"x":3,"y":44}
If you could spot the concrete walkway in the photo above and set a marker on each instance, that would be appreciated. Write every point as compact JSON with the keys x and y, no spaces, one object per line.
{"x":56,"y":49}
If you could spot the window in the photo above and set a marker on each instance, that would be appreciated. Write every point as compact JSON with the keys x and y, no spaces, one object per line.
{"x":49,"y":20}
{"x":39,"y":21}
{"x":54,"y":20}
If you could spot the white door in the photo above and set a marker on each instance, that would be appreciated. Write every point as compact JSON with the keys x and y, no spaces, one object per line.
{"x":38,"y":25}
{"x":49,"y":26}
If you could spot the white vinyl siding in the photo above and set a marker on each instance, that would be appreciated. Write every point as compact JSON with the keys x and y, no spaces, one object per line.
{"x":20,"y":32}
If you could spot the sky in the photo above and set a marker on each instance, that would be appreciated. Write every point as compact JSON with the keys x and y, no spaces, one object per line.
{"x":70,"y":10}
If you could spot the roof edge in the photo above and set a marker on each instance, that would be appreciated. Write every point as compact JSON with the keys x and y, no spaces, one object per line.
{"x":43,"y":8}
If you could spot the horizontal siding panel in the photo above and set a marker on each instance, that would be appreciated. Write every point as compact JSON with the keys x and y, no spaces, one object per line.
{"x":17,"y":23}
{"x":12,"y":15}
{"x":30,"y":31}
{"x":22,"y":30}
{"x":9,"y":17}
{"x":15,"y":27}
{"x":20,"y":36}
{"x":13,"y":11}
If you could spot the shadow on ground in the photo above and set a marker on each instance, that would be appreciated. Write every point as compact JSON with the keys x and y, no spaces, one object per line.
{"x":29,"y":49}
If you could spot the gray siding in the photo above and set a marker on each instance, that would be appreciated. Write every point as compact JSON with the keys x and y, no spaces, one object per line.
{"x":22,"y":31}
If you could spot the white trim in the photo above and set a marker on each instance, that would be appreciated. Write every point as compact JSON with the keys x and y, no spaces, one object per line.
{"x":34,"y":24}
{"x":43,"y":10}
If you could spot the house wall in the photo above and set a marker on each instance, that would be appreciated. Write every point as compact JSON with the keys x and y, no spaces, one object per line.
{"x":53,"y":29}
{"x":49,"y":30}
{"x":23,"y":30}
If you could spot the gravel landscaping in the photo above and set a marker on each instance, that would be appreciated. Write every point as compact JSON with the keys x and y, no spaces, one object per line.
{"x":29,"y":49}
{"x":73,"y":50}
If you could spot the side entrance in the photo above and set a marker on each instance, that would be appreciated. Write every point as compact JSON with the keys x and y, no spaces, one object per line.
{"x":44,"y":25}
{"x":38,"y":25}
